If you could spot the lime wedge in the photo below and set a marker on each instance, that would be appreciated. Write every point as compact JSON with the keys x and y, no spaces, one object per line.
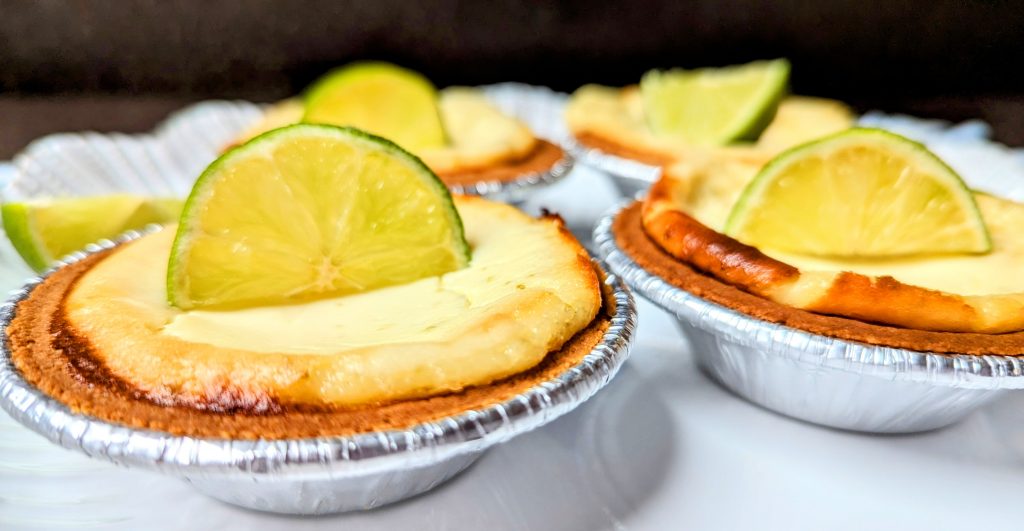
{"x":380,"y":98}
{"x":714,"y":106}
{"x":44,"y":230}
{"x":310,"y":210}
{"x":862,"y":192}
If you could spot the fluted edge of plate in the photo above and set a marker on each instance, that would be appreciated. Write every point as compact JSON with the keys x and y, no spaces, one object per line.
{"x":162,"y":163}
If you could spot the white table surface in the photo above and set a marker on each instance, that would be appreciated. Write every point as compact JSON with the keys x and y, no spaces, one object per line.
{"x":662,"y":447}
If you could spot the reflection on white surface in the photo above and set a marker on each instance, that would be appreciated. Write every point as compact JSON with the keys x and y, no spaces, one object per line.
{"x":660,"y":448}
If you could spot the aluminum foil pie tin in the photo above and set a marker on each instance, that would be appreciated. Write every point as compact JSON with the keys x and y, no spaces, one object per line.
{"x":308,"y":476}
{"x":630,"y":177}
{"x":319,"y":475}
{"x":822,"y":380}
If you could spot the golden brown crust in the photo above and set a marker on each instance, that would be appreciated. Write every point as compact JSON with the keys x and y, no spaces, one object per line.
{"x":690,"y":241}
{"x":610,"y":146}
{"x":51,"y":356}
{"x":543,"y":157}
{"x":631,"y":238}
{"x":887,"y":300}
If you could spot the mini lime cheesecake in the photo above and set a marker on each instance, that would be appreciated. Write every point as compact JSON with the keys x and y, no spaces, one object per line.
{"x":479,"y":135}
{"x":864,"y":225}
{"x":321,"y":281}
{"x":456,"y":131}
{"x":676,"y":114}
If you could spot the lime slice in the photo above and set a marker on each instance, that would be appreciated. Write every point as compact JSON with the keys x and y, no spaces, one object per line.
{"x":310,"y":210}
{"x":862,"y":192}
{"x":44,"y":230}
{"x":380,"y":98}
{"x":714,"y":106}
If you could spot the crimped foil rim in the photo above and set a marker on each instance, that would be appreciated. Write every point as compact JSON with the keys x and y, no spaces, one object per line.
{"x":613,"y":164}
{"x":289,"y":459}
{"x":949,"y":370}
{"x":516,"y":189}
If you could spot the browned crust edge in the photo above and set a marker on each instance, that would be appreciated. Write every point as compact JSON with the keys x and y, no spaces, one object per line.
{"x":50,"y":356}
{"x":544,"y":156}
{"x":633,"y":240}
{"x":607,"y":145}
{"x":880,"y":299}
{"x":685,"y":238}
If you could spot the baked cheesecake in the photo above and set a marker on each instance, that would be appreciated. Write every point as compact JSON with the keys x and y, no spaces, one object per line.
{"x":957,"y":302}
{"x":100,"y":336}
{"x":615,"y":121}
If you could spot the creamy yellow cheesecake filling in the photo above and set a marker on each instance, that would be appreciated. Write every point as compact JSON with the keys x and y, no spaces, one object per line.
{"x":618,"y":115}
{"x":708,"y":188}
{"x":479,"y":134}
{"x":529,"y":288}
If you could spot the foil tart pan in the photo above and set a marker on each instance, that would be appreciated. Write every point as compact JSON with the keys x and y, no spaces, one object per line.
{"x":819,"y":379}
{"x":317,"y":475}
{"x":631,"y":178}
{"x":309,"y":476}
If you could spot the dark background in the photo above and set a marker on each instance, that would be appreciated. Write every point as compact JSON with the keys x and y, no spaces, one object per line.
{"x":123,"y":65}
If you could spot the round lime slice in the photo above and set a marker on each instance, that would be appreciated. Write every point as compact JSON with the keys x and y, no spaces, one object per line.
{"x":862,"y":192}
{"x":310,"y":210}
{"x":380,"y":98}
{"x":714,"y":106}
{"x":44,"y":230}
